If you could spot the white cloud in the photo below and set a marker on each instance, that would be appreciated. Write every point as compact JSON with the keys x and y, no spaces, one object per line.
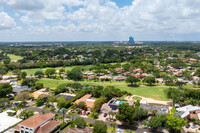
{"x":6,"y":22}
{"x":144,"y":18}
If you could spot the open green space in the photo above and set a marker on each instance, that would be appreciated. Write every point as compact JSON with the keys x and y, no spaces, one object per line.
{"x":155,"y":92}
{"x":32,"y":71}
{"x":14,"y":57}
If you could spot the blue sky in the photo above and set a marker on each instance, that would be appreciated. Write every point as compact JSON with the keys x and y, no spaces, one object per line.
{"x":122,"y":3}
{"x":99,"y":20}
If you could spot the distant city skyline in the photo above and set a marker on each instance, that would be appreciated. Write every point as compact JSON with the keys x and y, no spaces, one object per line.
{"x":99,"y":20}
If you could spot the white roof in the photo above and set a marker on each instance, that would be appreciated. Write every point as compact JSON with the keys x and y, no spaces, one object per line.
{"x":143,"y":102}
{"x":7,"y":121}
{"x":185,"y":110}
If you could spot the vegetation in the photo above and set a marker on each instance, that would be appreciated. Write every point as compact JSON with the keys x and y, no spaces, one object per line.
{"x":5,"y":89}
{"x":26,"y":114}
{"x":80,"y":122}
{"x":130,"y":114}
{"x":99,"y":127}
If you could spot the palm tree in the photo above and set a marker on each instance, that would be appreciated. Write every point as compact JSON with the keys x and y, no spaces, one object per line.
{"x":109,"y":114}
{"x":21,"y":105}
{"x":113,"y":124}
{"x":63,"y":111}
{"x":112,"y":114}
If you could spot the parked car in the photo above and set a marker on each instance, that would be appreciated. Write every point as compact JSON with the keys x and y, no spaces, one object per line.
{"x":187,"y":126}
{"x":147,"y":127}
{"x":105,"y":115}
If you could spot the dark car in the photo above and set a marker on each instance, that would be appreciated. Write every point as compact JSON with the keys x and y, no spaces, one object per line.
{"x":187,"y":126}
{"x":105,"y":115}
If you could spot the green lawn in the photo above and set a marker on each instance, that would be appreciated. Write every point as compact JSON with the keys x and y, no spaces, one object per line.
{"x":32,"y":71}
{"x":14,"y":57}
{"x":155,"y":92}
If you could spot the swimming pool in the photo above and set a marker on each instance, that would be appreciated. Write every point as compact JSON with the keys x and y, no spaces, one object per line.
{"x":118,"y":102}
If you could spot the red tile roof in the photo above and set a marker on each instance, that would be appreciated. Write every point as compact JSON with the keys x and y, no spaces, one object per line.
{"x":77,"y":130}
{"x":16,"y":127}
{"x":89,"y":104}
{"x":36,"y":120}
{"x":47,"y":127}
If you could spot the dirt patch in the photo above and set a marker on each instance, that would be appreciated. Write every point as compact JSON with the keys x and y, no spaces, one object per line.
{"x":150,"y":100}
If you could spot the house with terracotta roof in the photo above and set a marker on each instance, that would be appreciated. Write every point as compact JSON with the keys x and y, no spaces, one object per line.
{"x":77,"y":130}
{"x":39,"y":123}
{"x":88,"y":101}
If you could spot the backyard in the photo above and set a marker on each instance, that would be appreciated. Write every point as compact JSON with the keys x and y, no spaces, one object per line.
{"x":155,"y":92}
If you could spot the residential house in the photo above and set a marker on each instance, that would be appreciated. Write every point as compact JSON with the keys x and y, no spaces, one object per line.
{"x":192,"y":60}
{"x":88,"y":101}
{"x":77,"y":130}
{"x":39,"y":123}
{"x":189,"y":111}
{"x":37,"y":93}
{"x":111,"y":106}
{"x":19,"y":89}
{"x":119,"y":78}
{"x":66,"y":96}
{"x":160,"y":109}
{"x":7,"y":121}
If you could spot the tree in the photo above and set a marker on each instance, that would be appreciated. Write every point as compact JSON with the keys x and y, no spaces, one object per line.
{"x":75,"y":74}
{"x":139,"y":114}
{"x":29,"y":82}
{"x":38,"y":86}
{"x":3,"y":103}
{"x":26,"y":114}
{"x":111,"y":114}
{"x":41,"y":100}
{"x":125,"y":113}
{"x":23,"y":75}
{"x":61,"y":102}
{"x":62,"y":70}
{"x":154,"y":112}
{"x":150,"y":80}
{"x":50,"y":71}
{"x":2,"y":72}
{"x":63,"y":111}
{"x":5,"y":89}
{"x":180,"y":84}
{"x":113,"y":124}
{"x":82,"y":105}
{"x":39,"y":74}
{"x":187,"y":75}
{"x":52,"y":99}
{"x":175,"y":94}
{"x":132,"y":79}
{"x":80,"y":122}
{"x":157,"y":121}
{"x":99,"y":127}
{"x":6,"y":61}
{"x":98,"y":103}
{"x":175,"y":124}
{"x":197,"y":73}
{"x":23,"y":96}
{"x":21,"y":105}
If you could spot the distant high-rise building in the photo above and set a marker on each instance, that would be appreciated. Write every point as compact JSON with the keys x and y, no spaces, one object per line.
{"x":131,"y":40}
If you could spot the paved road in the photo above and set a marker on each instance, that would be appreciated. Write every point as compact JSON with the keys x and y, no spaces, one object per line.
{"x":135,"y":129}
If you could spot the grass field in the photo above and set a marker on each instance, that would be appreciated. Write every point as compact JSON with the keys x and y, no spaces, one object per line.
{"x":32,"y":71}
{"x":14,"y":57}
{"x":155,"y":92}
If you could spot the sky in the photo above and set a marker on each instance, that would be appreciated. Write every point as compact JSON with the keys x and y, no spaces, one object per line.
{"x":99,"y":20}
